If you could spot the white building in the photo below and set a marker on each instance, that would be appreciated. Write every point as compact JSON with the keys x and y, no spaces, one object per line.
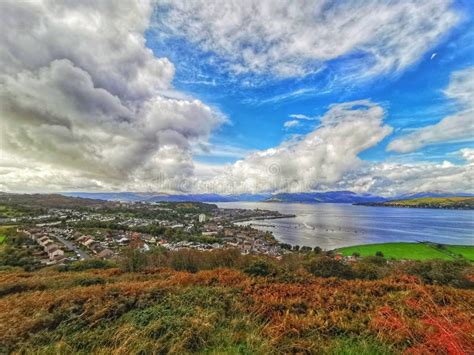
{"x":202,"y":218}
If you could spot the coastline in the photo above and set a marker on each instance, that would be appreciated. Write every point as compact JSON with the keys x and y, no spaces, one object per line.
{"x":264,"y":218}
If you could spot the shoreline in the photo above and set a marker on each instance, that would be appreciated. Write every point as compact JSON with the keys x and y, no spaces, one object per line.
{"x":264,"y":218}
{"x":413,"y":206}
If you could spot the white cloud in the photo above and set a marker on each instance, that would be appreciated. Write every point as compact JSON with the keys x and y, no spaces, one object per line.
{"x":454,"y":128}
{"x":299,"y":116}
{"x":287,"y":38}
{"x":84,"y":103}
{"x":468,"y":154}
{"x":291,"y":124}
{"x":314,"y":161}
{"x":395,"y":178}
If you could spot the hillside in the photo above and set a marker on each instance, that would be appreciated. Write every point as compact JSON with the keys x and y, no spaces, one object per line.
{"x":47,"y":201}
{"x":224,"y":303}
{"x":456,"y":202}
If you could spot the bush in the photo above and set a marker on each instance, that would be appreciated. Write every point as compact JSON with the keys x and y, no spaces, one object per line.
{"x":285,"y":246}
{"x":441,"y":272}
{"x":90,"y":281}
{"x":379,"y":254}
{"x":87,"y":264}
{"x":329,"y":267}
{"x":367,"y":271}
{"x":376,"y":260}
{"x":260,"y":268}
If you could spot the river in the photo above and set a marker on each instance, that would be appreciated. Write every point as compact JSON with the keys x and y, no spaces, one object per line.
{"x":331,"y":226}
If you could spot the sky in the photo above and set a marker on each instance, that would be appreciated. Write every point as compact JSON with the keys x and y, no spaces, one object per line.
{"x":237,"y":97}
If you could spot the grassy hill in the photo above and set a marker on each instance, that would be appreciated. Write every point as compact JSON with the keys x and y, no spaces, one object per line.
{"x":430,"y":202}
{"x":412,"y":251}
{"x":234,"y":304}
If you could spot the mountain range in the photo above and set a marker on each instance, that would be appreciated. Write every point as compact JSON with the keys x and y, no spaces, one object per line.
{"x":304,"y":197}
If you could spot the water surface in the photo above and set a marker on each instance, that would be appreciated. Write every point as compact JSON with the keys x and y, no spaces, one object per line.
{"x":330,"y":225}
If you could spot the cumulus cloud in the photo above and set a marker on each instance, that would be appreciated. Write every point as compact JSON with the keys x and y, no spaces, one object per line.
{"x":327,"y":159}
{"x":390,"y":179}
{"x":83,"y":100}
{"x":457,"y":127}
{"x":314,"y":161}
{"x":288,"y":38}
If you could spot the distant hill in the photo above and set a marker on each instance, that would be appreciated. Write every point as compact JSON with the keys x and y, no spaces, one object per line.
{"x":48,"y":200}
{"x":306,"y":197}
{"x":303,"y":197}
{"x":431,"y":194}
{"x":325,"y":197}
{"x":163,"y":197}
{"x":455,"y":202}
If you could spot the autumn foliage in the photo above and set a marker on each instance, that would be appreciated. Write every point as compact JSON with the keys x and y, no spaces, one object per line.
{"x":229,"y":310}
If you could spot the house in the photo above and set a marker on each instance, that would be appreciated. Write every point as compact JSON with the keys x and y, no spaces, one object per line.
{"x":123,"y":240}
{"x":55,"y":253}
{"x":43,"y":241}
{"x":202,"y":218}
{"x":48,"y":248}
{"x":105,"y":254}
{"x":83,"y":239}
{"x":88,"y":242}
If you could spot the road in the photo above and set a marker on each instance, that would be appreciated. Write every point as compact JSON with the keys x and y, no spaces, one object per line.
{"x":71,"y":246}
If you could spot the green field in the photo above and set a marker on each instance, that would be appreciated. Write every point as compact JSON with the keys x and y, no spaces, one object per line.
{"x":2,"y":239}
{"x":465,"y":250}
{"x":412,"y":251}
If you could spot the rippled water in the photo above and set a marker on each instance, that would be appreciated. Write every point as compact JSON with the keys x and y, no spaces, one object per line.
{"x":336,"y":225}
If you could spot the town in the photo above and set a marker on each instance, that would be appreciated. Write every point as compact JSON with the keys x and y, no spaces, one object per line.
{"x":103,"y":230}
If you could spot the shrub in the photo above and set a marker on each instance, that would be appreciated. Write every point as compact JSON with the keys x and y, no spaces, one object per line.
{"x":441,"y":272}
{"x":90,"y":281}
{"x":86,"y":265}
{"x":285,"y":246}
{"x":329,"y":267}
{"x":367,"y":271}
{"x":379,"y":254}
{"x":260,"y":268}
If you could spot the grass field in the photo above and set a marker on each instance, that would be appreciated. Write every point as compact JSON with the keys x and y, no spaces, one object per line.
{"x":465,"y":250}
{"x":2,"y":239}
{"x":412,"y":251}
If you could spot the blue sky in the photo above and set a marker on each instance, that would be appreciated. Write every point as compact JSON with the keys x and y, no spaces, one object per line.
{"x":258,"y":105}
{"x":241,"y":96}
